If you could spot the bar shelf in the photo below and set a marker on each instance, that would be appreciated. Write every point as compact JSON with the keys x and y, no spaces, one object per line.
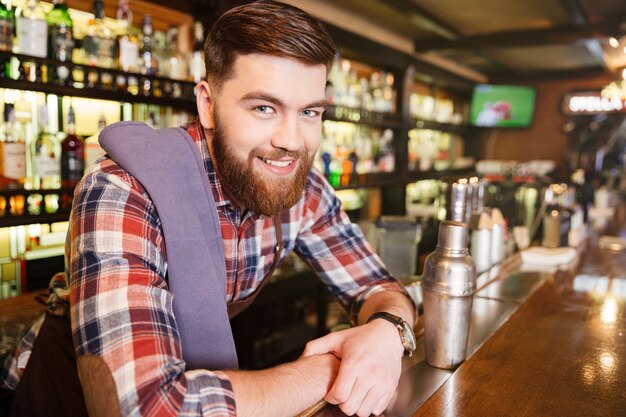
{"x":20,"y":207}
{"x":461,"y":129}
{"x":436,"y":174}
{"x":41,"y":74}
{"x":363,"y":116}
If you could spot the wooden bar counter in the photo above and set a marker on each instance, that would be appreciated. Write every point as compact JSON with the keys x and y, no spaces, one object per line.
{"x":547,"y":344}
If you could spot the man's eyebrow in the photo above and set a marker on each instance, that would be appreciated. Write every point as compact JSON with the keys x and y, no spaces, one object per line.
{"x":259,"y":95}
{"x":319,"y":103}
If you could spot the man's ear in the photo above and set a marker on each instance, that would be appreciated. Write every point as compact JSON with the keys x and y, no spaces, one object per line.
{"x":205,"y":104}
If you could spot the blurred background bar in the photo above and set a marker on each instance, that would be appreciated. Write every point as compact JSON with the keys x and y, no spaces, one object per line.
{"x":508,"y":116}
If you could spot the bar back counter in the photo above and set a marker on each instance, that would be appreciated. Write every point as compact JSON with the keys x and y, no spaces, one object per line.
{"x":549,"y":343}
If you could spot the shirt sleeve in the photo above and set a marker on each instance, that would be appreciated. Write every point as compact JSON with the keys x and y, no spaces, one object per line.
{"x":336,"y":249}
{"x":121,"y":307}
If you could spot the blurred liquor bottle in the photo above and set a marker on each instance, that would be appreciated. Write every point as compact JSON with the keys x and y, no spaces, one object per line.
{"x":60,"y":39}
{"x":387,"y":103}
{"x":31,"y":39}
{"x":72,"y":154}
{"x":196,"y":64}
{"x":6,"y":28}
{"x":46,"y":150}
{"x":99,"y":47}
{"x":32,"y":30}
{"x":127,"y":46}
{"x":149,"y":62}
{"x":12,"y":151}
{"x":177,"y":65}
{"x":6,"y":40}
{"x":93,"y":150}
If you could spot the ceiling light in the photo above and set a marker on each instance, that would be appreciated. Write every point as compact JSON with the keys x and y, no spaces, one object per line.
{"x":613,"y":42}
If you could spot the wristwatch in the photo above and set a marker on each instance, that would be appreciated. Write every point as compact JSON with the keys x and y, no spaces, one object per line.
{"x":407,"y":337}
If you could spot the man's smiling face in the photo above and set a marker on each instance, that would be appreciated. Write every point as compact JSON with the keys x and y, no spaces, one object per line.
{"x":266,"y":123}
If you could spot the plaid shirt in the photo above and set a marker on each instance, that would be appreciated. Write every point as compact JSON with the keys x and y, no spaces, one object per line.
{"x":120,"y":303}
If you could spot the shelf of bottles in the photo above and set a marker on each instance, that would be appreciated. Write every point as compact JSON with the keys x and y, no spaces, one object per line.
{"x":437,"y":134}
{"x":27,"y":72}
{"x":422,"y":198}
{"x":69,"y":54}
{"x":360,"y":128}
{"x":59,"y":51}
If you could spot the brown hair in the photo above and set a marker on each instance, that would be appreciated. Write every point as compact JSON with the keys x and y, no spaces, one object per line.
{"x":267,"y":27}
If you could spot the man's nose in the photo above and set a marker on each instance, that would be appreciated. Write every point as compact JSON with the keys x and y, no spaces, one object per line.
{"x":287,"y":135}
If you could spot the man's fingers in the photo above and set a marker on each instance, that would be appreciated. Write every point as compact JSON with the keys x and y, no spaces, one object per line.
{"x":368,"y":372}
{"x":371,"y":390}
{"x":344,"y":383}
{"x":320,"y":346}
{"x":382,"y":403}
{"x":370,"y":401}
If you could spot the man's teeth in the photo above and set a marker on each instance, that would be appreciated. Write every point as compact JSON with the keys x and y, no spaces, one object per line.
{"x":280,"y":164}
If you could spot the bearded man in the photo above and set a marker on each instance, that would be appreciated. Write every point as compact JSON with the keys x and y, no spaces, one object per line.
{"x":259,"y":127}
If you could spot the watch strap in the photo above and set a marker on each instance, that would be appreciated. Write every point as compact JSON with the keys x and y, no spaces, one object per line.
{"x":386,"y":316}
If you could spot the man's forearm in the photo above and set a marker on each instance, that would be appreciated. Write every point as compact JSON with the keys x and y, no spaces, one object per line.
{"x":285,"y":390}
{"x":394,"y":302}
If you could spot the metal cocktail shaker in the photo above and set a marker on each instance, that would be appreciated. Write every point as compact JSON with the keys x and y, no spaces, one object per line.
{"x":449,"y":284}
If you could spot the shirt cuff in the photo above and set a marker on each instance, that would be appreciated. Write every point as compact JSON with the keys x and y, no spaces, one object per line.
{"x":215,"y":391}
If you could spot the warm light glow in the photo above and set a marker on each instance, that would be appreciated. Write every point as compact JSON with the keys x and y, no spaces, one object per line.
{"x":618,"y":288}
{"x":34,"y":229}
{"x":608,"y":316}
{"x":30,"y":96}
{"x":607,"y":362}
{"x":588,"y":374}
{"x":11,"y":96}
{"x":624,"y":73}
{"x":594,"y":284}
{"x":613,"y":42}
{"x":615,"y":90}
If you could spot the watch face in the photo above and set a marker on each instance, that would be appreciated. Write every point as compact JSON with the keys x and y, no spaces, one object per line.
{"x":409,"y":337}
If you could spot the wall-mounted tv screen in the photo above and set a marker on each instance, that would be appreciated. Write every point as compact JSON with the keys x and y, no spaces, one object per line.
{"x":502,"y":105}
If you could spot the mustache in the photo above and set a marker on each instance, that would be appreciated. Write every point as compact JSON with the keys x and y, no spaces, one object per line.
{"x":278,"y":153}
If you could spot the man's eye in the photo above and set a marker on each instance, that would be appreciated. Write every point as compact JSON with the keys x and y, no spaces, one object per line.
{"x":311,"y":113}
{"x":264,"y":109}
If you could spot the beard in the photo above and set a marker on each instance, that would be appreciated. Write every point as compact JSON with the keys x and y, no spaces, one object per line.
{"x":261,"y":193}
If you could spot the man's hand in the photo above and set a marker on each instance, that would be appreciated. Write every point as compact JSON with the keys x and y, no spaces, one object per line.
{"x":370,"y":366}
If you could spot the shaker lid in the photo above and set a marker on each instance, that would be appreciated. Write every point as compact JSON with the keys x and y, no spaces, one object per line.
{"x":446,"y":272}
{"x":452,"y":235}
